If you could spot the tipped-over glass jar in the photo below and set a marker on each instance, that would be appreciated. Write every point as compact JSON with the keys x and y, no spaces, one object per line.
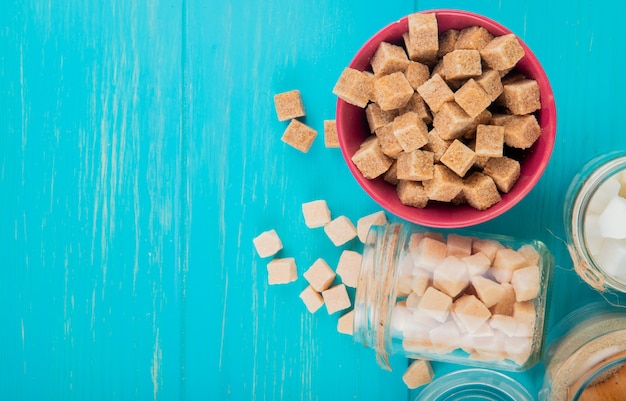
{"x":587,"y":361}
{"x":461,"y":297}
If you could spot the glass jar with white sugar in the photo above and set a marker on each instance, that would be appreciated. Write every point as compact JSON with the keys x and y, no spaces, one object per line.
{"x":461,"y":297}
{"x":595,"y":219}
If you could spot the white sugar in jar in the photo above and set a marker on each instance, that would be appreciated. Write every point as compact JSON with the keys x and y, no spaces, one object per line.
{"x":595,"y":218}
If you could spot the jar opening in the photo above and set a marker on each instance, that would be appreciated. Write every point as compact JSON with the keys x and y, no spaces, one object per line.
{"x":605,"y":381}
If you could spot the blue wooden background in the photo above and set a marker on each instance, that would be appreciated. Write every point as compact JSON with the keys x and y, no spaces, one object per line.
{"x":140,"y":153}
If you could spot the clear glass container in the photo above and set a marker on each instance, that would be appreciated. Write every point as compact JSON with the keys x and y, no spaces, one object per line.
{"x":461,"y":297}
{"x":599,"y":260}
{"x":587,"y":360}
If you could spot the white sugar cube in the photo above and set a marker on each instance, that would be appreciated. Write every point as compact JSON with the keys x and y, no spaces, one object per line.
{"x":340,"y":230}
{"x":281,"y":271}
{"x":459,"y":245}
{"x":316,"y":213}
{"x":436,"y":304}
{"x":364,"y":224}
{"x":526,"y":282}
{"x":605,"y":192}
{"x":530,"y":253}
{"x":349,"y":267}
{"x":612,"y":258}
{"x":613,"y":219}
{"x":477,"y":264}
{"x":267,"y":243}
{"x":430,"y":253}
{"x":489,"y":292}
{"x":401,"y":318}
{"x":446,"y":336}
{"x":451,"y":276}
{"x":471,"y":312}
{"x":504,"y":323}
{"x":593,"y":237}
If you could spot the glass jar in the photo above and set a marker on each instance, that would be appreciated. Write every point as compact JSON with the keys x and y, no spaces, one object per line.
{"x":587,"y":361}
{"x":460,"y":297}
{"x":599,"y":260}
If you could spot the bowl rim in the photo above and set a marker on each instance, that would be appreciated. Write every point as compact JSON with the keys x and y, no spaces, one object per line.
{"x":437,"y":215}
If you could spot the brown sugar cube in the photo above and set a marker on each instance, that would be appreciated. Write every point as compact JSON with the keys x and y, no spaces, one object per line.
{"x":435,"y":92}
{"x":473,"y":37}
{"x":377,"y":118}
{"x":522,"y":97}
{"x":267,"y":243}
{"x":472,"y":98}
{"x":521,"y":131}
{"x":365,"y":223}
{"x":289,"y":105}
{"x":391,"y":175}
{"x":451,"y":276}
{"x":459,"y":245}
{"x":330,"y":134}
{"x":416,"y":165}
{"x":489,"y":141}
{"x":349,"y":267}
{"x":388,"y":141}
{"x":489,"y":292}
{"x":436,"y":145}
{"x":345,"y":324}
{"x":491,"y":83}
{"x":483,"y":118}
{"x":423,"y":37}
{"x":392,"y":91}
{"x":316,"y":213}
{"x":447,"y":41}
{"x":505,"y":305}
{"x":444,"y":186}
{"x":340,"y":230}
{"x":451,"y":122}
{"x":312,"y":299}
{"x":435,"y":304}
{"x":438,"y":69}
{"x":370,"y":159}
{"x":417,"y":105}
{"x":417,"y":73}
{"x":480,"y":191}
{"x":504,"y":171}
{"x":471,"y":312}
{"x":412,"y":193}
{"x":507,"y":260}
{"x":336,"y":298}
{"x":281,"y":271}
{"x":458,"y":158}
{"x":488,"y":247}
{"x":502,"y":52}
{"x":410,"y":131}
{"x":418,"y":374}
{"x":462,"y":64}
{"x":388,"y":58}
{"x":526,"y":283}
{"x":299,"y":135}
{"x":354,"y":87}
{"x":320,"y":276}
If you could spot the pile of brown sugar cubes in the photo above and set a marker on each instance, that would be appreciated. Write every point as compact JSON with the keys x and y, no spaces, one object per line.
{"x":447,"y":113}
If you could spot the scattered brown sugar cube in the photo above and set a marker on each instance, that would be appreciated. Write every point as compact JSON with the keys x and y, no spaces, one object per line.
{"x":507,"y":260}
{"x":472,"y":98}
{"x":388,"y":58}
{"x":281,"y":271}
{"x":502,"y":52}
{"x":336,"y":298}
{"x":505,"y":305}
{"x":391,"y":175}
{"x":349,"y":267}
{"x":489,"y":292}
{"x":331,"y":140}
{"x":435,"y":304}
{"x":340,"y":230}
{"x":316,"y":213}
{"x":392,"y":91}
{"x":526,"y":283}
{"x":299,"y":136}
{"x":436,"y":145}
{"x":430,"y":253}
{"x":471,"y":312}
{"x":435,"y":92}
{"x":410,"y":131}
{"x":451,"y":122}
{"x":458,"y":158}
{"x":267,"y":243}
{"x":345,"y":324}
{"x":480,"y":191}
{"x":418,"y":374}
{"x":488,"y":247}
{"x":473,"y":37}
{"x":489,"y":141}
{"x":447,"y":41}
{"x":370,"y":159}
{"x":377,"y":118}
{"x":451,"y":276}
{"x":504,"y":171}
{"x":444,"y":186}
{"x":354,"y":87}
{"x":417,"y":105}
{"x":423,"y":37}
{"x":388,"y":141}
{"x":521,"y":131}
{"x":459,"y":245}
{"x":417,"y":73}
{"x":438,"y":69}
{"x":462,"y":64}
{"x":320,"y":276}
{"x":522,"y":97}
{"x":491,"y":83}
{"x":477,"y":263}
{"x":412,"y":193}
{"x":525,"y":315}
{"x":416,"y":165}
{"x":289,"y":105}
{"x":364,"y":224}
{"x":312,"y":299}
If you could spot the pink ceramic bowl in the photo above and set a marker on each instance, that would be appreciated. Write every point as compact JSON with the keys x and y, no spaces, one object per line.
{"x":352,"y":129}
